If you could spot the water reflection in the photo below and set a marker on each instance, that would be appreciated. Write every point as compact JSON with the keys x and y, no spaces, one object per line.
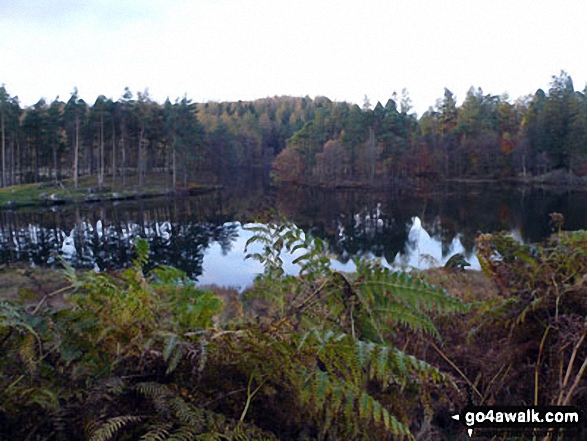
{"x":103,"y":239}
{"x":423,"y":251}
{"x":204,"y":236}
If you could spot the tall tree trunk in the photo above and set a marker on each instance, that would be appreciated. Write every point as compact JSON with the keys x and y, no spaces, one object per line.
{"x":91,"y":158}
{"x":55,"y":164}
{"x":140,"y":158}
{"x":123,"y":161}
{"x":36,"y":177}
{"x":3,"y":153}
{"x":371,"y":155}
{"x":12,"y":161}
{"x":76,"y":153}
{"x":113,"y":156}
{"x":19,"y":160}
{"x":174,"y":171}
{"x":101,"y":166}
{"x":166,"y":167}
{"x":59,"y":172}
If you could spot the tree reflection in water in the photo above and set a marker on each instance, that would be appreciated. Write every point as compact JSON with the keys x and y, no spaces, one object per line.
{"x":103,"y":238}
{"x":182,"y":232}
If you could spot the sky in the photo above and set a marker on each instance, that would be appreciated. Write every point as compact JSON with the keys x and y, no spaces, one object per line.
{"x":229,"y":50}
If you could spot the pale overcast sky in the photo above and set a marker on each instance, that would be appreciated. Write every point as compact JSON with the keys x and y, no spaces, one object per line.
{"x":246,"y":49}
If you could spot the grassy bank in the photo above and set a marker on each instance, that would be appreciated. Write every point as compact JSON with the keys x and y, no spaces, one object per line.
{"x":63,"y":192}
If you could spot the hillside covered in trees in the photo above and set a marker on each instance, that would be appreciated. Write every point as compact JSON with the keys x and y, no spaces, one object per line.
{"x":311,"y":141}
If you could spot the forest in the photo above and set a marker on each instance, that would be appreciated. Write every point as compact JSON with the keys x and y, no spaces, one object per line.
{"x":303,"y":140}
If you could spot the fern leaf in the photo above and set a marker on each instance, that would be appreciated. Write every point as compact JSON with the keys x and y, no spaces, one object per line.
{"x":186,"y":413}
{"x":349,"y":404}
{"x":109,"y":429}
{"x":28,"y":354}
{"x":364,"y":351}
{"x":185,"y":433}
{"x":409,"y":318}
{"x":172,"y":342}
{"x":142,"y":253}
{"x":175,"y":359}
{"x":376,"y":412}
{"x":157,"y":432}
{"x":322,"y":386}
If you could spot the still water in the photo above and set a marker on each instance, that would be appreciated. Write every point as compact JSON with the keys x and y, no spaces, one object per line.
{"x":206,"y":235}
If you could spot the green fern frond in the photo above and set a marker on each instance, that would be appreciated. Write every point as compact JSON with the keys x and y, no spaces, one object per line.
{"x":142,"y":253}
{"x":322,"y":387}
{"x":14,"y":317}
{"x":69,"y":272}
{"x":411,"y":291}
{"x":488,"y":311}
{"x":356,"y":359}
{"x":357,"y":412}
{"x":187,"y":414}
{"x":151,"y":389}
{"x":175,"y":359}
{"x":349,"y":406}
{"x":157,"y":432}
{"x":395,"y":313}
{"x":364,"y":351}
{"x":114,"y":386}
{"x":186,"y":433}
{"x":27,"y":353}
{"x":322,"y":337}
{"x":173,"y":352}
{"x":392,"y":298}
{"x":172,"y":341}
{"x":110,"y":428}
{"x":43,"y":397}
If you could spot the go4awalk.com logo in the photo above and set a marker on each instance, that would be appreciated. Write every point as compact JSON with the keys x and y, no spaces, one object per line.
{"x":519,"y":417}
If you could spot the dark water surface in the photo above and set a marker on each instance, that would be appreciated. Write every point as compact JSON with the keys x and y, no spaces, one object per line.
{"x":204,"y":236}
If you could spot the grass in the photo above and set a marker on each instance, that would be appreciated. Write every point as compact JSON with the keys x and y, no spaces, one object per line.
{"x":47,"y":193}
{"x":469,"y":286}
{"x":19,"y":281}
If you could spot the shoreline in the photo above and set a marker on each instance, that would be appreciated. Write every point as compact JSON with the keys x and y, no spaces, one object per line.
{"x":41,"y":195}
{"x":560,"y":180}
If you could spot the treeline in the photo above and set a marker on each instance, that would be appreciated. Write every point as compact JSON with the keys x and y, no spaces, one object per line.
{"x":70,"y":139}
{"x":313,"y":141}
{"x":251,"y":133}
{"x":135,"y":137}
{"x":486,"y":137}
